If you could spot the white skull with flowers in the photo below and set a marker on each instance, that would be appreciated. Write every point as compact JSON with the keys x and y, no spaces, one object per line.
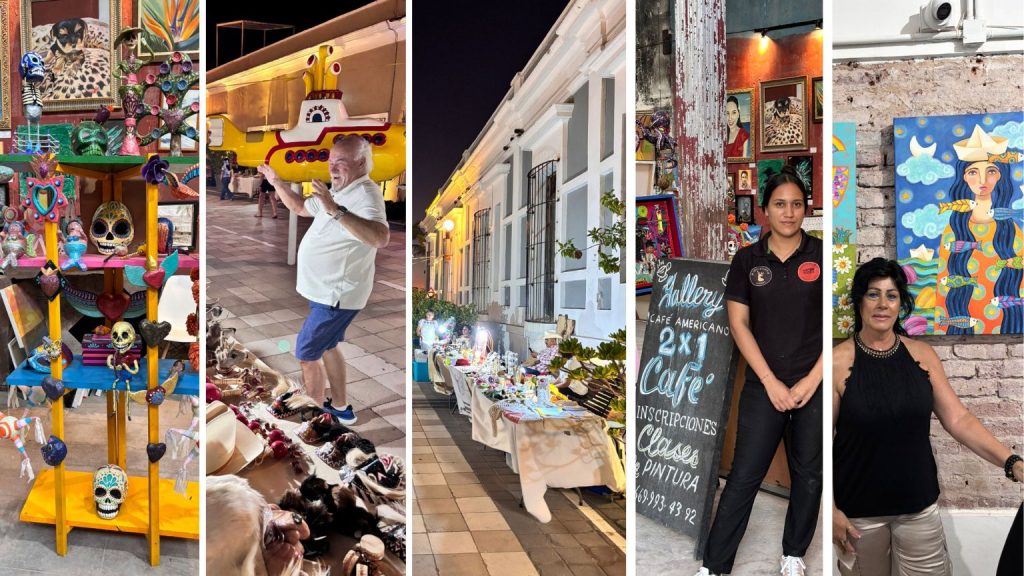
{"x":110,"y":488}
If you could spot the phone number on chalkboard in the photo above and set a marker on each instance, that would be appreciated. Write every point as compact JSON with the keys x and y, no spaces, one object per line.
{"x":658,"y":502}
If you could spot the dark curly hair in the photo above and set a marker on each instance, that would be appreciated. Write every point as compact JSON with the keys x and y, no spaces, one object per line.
{"x":775,"y":179}
{"x":881,"y":268}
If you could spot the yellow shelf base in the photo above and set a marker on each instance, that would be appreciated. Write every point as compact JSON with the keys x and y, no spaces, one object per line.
{"x":179,"y":517}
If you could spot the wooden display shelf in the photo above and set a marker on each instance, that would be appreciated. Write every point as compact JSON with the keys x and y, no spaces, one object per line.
{"x":98,"y":164}
{"x":179,"y":516}
{"x":77,"y":375}
{"x":96,"y":262}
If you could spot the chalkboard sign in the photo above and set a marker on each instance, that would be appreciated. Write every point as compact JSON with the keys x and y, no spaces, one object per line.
{"x":687,"y":368}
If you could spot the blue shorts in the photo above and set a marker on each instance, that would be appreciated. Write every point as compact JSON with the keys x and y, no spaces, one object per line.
{"x":323,"y":329}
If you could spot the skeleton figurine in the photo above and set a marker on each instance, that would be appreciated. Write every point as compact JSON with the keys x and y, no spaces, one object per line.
{"x":33,"y":72}
{"x":110,"y":489}
{"x":14,"y":244}
{"x":13,"y":428}
{"x":112,"y":229}
{"x":74,"y":247}
{"x":122,"y":337}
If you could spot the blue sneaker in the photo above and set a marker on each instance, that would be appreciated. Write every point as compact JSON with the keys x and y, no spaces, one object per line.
{"x":346,"y":415}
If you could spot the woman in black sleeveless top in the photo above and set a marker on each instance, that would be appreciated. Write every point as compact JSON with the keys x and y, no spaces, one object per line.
{"x":885,"y":387}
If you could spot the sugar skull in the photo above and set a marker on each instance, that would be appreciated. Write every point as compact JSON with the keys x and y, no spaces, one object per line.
{"x":122,"y":336}
{"x":112,"y":228}
{"x":110,"y":488}
{"x":89,"y":139}
{"x":32,"y":68}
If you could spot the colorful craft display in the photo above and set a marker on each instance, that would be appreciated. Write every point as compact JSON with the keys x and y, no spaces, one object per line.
{"x":14,"y":429}
{"x":175,"y":77}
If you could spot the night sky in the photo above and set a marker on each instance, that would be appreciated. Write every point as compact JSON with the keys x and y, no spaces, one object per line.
{"x":465,"y":54}
{"x":303,"y":16}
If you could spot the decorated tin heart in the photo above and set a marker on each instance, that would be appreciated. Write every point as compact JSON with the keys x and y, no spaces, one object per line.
{"x":154,"y":333}
{"x":50,"y":280}
{"x":112,"y":306}
{"x":53,"y":387}
{"x":156,"y":451}
{"x":156,"y":396}
{"x":46,"y":198}
{"x":54,"y":451}
{"x":155,"y":278}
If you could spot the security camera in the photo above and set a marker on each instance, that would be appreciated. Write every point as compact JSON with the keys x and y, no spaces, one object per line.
{"x":940,"y":14}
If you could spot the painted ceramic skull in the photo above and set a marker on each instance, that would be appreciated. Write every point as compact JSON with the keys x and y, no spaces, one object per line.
{"x":89,"y":139}
{"x":110,"y":488}
{"x":112,"y":228}
{"x":31,"y":68}
{"x":122,"y":336}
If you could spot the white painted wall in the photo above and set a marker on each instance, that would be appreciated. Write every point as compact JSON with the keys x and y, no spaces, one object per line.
{"x":974,"y":539}
{"x":892,"y":29}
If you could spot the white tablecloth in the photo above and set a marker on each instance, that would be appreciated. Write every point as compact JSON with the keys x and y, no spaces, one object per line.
{"x":560,"y":452}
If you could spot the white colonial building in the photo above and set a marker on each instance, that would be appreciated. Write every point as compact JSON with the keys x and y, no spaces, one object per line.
{"x":533,"y":177}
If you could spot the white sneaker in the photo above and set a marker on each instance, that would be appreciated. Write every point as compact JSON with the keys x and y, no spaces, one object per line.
{"x":704,"y":572}
{"x":792,"y":566}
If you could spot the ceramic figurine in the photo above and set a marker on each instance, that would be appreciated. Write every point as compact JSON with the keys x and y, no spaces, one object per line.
{"x":110,"y":490}
{"x":33,"y":71}
{"x":12,"y":429}
{"x":122,"y":337}
{"x":112,"y":228}
{"x":14,"y":244}
{"x":75,"y":246}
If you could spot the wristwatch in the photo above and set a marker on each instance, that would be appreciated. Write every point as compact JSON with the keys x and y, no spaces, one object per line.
{"x":1008,"y":467}
{"x":341,"y":211}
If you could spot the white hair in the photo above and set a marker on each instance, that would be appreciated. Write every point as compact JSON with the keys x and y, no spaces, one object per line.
{"x":235,"y":523}
{"x":359,"y":147}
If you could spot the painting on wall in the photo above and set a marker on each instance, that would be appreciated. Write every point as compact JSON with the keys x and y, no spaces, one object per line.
{"x":745,"y":209}
{"x":5,"y":71}
{"x":654,"y":143}
{"x":818,"y":96}
{"x":744,"y":179}
{"x":784,"y":115}
{"x":765,"y":170}
{"x":77,"y":46}
{"x":169,"y":26}
{"x":959,"y":210}
{"x":657,"y":236}
{"x":844,"y":225}
{"x":739,"y":119}
{"x":804,"y":168}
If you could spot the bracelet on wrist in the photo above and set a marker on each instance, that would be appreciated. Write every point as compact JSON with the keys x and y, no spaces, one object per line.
{"x":1008,"y":467}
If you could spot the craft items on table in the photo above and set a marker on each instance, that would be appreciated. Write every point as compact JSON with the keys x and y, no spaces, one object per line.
{"x":13,"y":429}
{"x":122,"y":337}
{"x":110,"y":490}
{"x":47,"y":352}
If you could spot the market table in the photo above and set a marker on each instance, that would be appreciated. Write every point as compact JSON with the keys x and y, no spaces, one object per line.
{"x":547,"y":445}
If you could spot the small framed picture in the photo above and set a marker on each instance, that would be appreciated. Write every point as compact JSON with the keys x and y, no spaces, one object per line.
{"x":739,"y":120}
{"x":184,"y":219}
{"x":818,"y":94}
{"x":744,"y":179}
{"x":745,"y":209}
{"x":731,"y":182}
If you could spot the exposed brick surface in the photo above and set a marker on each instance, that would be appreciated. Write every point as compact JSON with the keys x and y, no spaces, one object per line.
{"x":987,"y":372}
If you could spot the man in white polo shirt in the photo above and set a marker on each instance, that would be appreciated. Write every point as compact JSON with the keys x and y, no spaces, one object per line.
{"x":335,"y":263}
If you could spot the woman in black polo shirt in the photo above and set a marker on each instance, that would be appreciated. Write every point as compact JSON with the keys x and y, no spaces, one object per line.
{"x":774,"y":301}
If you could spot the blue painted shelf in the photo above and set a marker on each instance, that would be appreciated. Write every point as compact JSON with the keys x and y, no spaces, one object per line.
{"x":102,"y":378}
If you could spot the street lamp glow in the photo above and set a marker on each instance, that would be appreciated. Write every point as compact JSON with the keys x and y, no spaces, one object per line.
{"x":448,"y":225}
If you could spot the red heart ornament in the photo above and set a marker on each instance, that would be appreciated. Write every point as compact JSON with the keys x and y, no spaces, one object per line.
{"x":154,"y":278}
{"x":112,"y":306}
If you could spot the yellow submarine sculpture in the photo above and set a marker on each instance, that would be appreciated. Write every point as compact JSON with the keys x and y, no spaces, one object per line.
{"x":300,"y":154}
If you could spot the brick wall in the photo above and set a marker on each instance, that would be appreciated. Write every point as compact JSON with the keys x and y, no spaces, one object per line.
{"x":987,"y":372}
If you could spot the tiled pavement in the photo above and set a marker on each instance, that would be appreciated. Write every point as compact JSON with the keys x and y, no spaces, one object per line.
{"x":249,"y":276}
{"x":466,"y":514}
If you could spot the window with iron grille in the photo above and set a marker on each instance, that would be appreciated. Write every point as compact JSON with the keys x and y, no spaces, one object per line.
{"x":481,"y":257}
{"x":540,"y":222}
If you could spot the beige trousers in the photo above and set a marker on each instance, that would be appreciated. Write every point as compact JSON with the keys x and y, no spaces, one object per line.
{"x":904,"y":545}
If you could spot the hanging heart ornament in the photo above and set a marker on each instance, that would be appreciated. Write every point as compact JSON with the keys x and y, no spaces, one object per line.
{"x":154,"y":333}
